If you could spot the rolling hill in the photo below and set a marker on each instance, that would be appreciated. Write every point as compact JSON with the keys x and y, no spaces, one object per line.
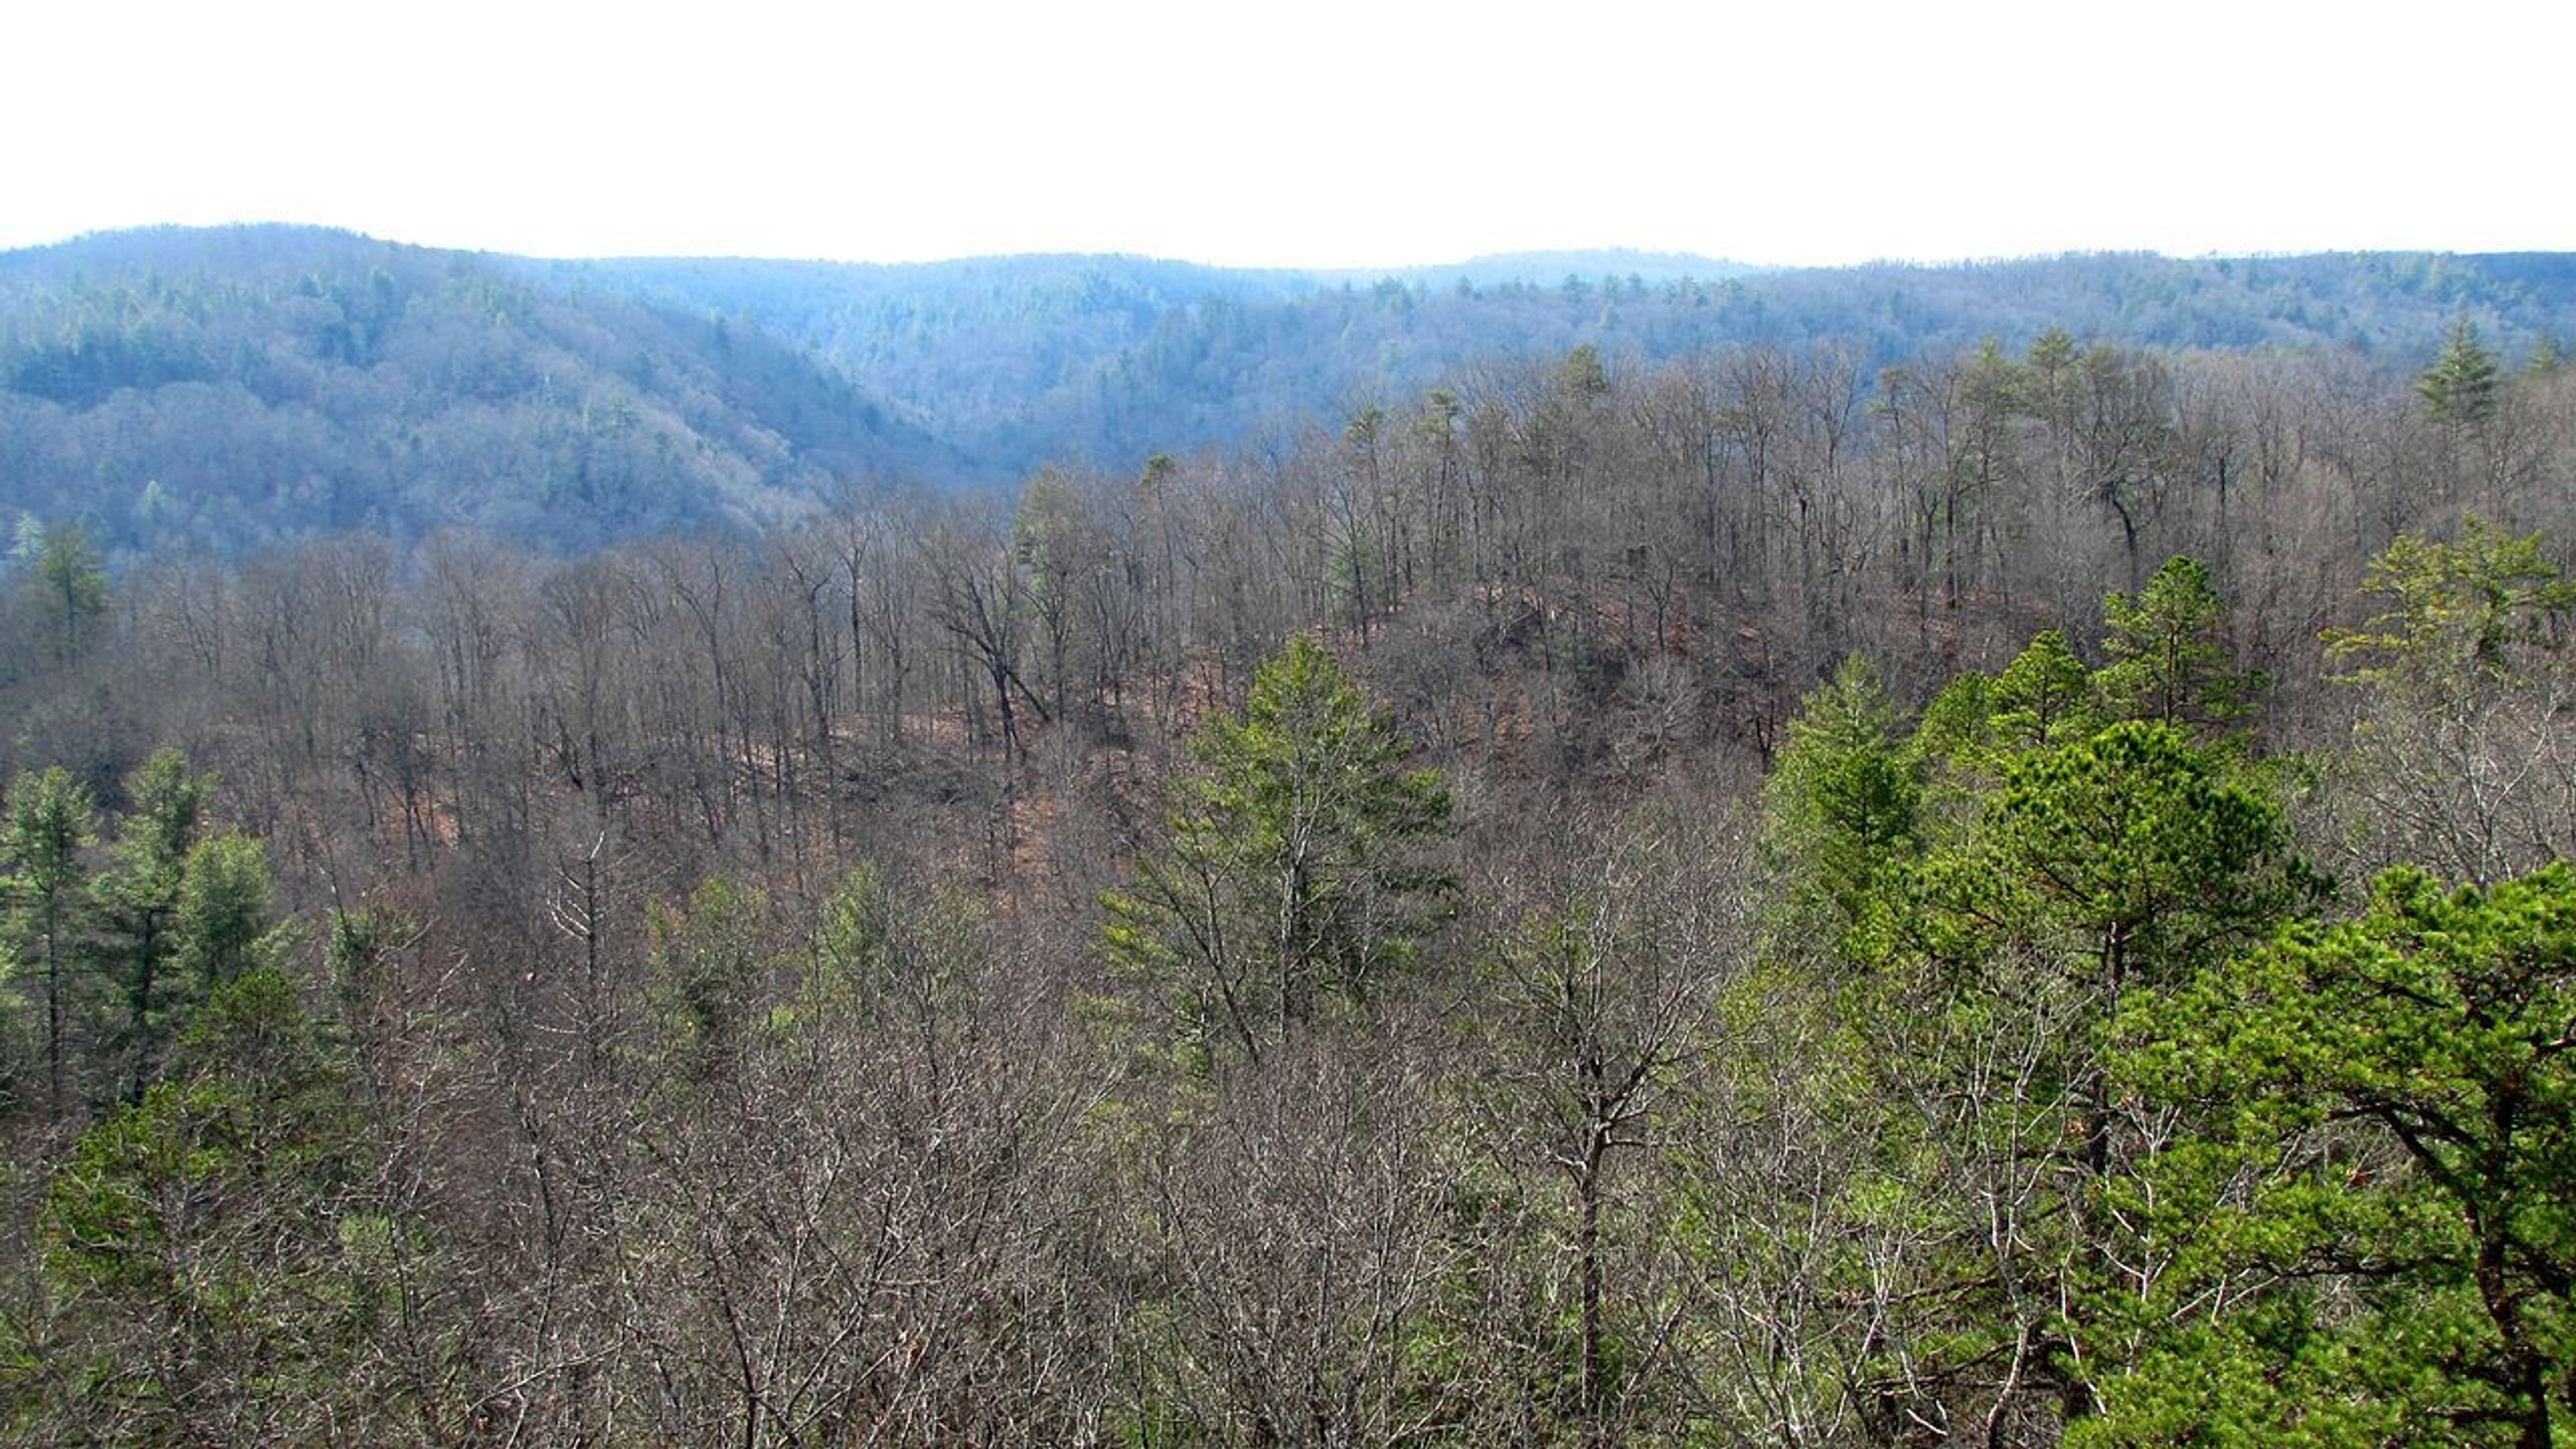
{"x":231,"y":388}
{"x":234,"y":387}
{"x":1105,"y":360}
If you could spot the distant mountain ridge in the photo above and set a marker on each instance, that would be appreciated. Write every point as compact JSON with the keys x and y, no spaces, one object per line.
{"x":1105,"y":359}
{"x":230,"y":387}
{"x":234,"y":387}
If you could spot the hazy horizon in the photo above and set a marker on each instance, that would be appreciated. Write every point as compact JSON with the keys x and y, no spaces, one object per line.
{"x":1346,"y":137}
{"x":1489,"y":257}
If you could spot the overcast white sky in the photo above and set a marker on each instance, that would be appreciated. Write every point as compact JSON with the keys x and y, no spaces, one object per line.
{"x":1331,"y":133}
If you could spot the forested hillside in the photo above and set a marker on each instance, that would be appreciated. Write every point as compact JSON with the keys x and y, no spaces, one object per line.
{"x":233,"y":388}
{"x":229,"y":389}
{"x":1749,"y":897}
{"x":1106,"y":360}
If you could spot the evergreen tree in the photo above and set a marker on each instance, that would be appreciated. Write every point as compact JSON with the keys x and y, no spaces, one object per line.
{"x":75,"y":586}
{"x":2380,"y":1201}
{"x":138,"y":901}
{"x":708,"y":960}
{"x":2095,"y":872}
{"x":2458,"y":613}
{"x":215,"y":1268}
{"x":2044,"y":696}
{"x":2462,"y":384}
{"x":51,"y":821}
{"x":222,"y":913}
{"x":1843,"y":800}
{"x":2089,"y":839}
{"x":2459,"y":760}
{"x":1302,"y":862}
{"x":2170,"y":659}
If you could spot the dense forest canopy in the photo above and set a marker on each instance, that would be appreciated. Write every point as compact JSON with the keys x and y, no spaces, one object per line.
{"x":1674,"y":862}
{"x":234,"y":389}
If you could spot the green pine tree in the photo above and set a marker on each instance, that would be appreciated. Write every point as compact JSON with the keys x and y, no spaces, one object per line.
{"x":50,"y":823}
{"x":1302,"y":864}
{"x":138,"y":897}
{"x":75,"y":586}
{"x":2170,"y":659}
{"x":2462,"y":384}
{"x":2371,"y":1225}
